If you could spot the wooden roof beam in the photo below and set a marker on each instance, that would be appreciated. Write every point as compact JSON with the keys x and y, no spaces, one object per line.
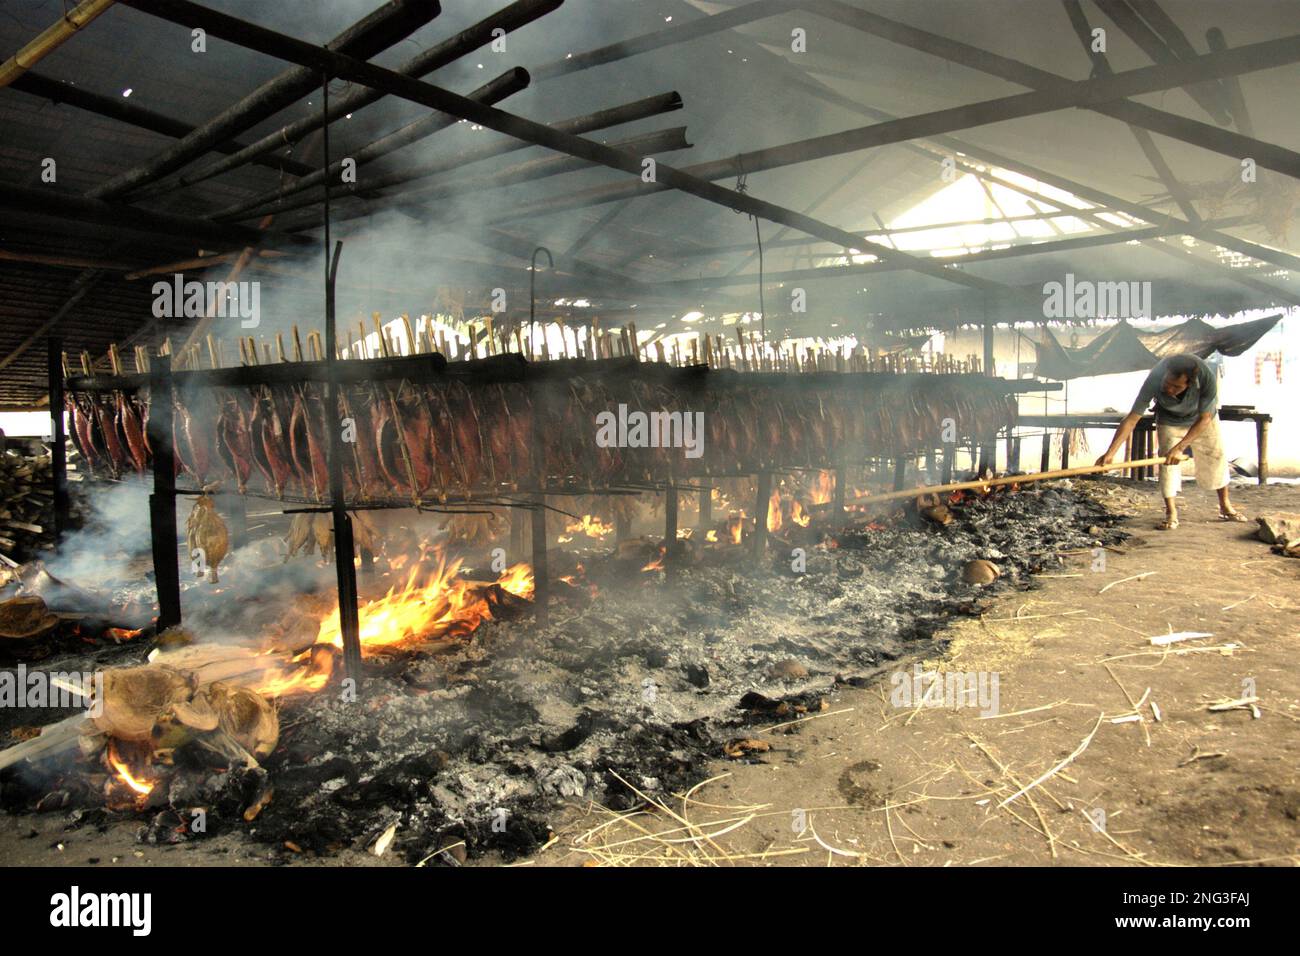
{"x":425,"y":94}
{"x":374,"y":33}
{"x":1108,"y":95}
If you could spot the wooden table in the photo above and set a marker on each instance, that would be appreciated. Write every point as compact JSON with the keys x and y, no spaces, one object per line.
{"x":1143,"y":441}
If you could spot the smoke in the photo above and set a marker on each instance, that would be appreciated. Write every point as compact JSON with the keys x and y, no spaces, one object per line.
{"x":112,"y":547}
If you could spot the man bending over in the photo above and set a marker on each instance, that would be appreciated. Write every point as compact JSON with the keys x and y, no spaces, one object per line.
{"x":1186,"y":393}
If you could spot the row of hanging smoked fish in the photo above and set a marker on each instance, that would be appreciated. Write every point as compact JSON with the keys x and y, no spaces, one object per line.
{"x":453,"y":438}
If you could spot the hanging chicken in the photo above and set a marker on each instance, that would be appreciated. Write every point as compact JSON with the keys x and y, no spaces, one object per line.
{"x":206,"y":536}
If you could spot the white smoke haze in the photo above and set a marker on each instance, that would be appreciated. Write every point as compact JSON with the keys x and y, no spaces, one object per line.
{"x":112,"y":548}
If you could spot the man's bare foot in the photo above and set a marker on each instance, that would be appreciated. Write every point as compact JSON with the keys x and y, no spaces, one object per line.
{"x":1232,"y":514}
{"x":1169,"y":524}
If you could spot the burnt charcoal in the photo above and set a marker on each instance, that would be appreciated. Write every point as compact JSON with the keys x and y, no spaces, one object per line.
{"x":655,"y":657}
{"x":696,"y":675}
{"x":756,"y":701}
{"x":56,"y":800}
{"x":513,"y":836}
{"x":167,"y":828}
{"x":566,"y":741}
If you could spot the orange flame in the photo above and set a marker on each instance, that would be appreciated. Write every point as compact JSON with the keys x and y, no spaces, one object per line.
{"x":124,"y":774}
{"x":444,"y":604}
{"x":736,"y":526}
{"x":774,"y":512}
{"x":589,"y":525}
{"x":822,"y":488}
{"x":798,"y":515}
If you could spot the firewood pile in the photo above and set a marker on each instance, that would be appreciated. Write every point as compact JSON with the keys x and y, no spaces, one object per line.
{"x":26,"y":505}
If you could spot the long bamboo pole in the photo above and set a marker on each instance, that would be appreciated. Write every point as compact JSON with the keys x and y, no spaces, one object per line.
{"x":1005,"y":480}
{"x":51,"y":39}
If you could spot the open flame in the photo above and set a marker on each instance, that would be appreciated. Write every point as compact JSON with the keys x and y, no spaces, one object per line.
{"x":589,"y":525}
{"x":822,"y":488}
{"x":736,"y":526}
{"x":438,"y":604}
{"x":444,"y":604}
{"x":774,"y":522}
{"x":124,"y":773}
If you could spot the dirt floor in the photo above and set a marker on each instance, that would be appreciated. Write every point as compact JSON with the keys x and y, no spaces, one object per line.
{"x":870,"y":780}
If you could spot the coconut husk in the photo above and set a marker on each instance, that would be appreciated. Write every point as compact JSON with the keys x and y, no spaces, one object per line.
{"x":137,"y":698}
{"x":197,"y":713}
{"x":980,"y":571}
{"x":246,"y":716}
{"x":26,"y":619}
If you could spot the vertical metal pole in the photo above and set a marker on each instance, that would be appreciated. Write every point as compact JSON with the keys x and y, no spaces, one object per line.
{"x":162,"y":503}
{"x":532,"y":298}
{"x":761,"y":508}
{"x":344,"y":551}
{"x":989,"y":451}
{"x":58,"y":440}
{"x":541,"y":569}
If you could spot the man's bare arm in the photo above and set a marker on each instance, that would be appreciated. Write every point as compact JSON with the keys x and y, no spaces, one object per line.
{"x":1122,"y":434}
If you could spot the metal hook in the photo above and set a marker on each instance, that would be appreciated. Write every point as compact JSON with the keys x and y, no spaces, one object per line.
{"x":532,"y":289}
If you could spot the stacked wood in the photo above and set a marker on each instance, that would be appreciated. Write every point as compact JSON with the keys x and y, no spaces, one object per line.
{"x":26,"y":504}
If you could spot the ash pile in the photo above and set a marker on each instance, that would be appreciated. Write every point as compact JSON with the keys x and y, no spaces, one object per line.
{"x":647,"y":667}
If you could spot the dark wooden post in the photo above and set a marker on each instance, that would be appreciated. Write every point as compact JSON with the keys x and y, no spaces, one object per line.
{"x":1065,"y":447}
{"x":58,"y":440}
{"x":670,"y":516}
{"x":518,"y":519}
{"x":841,"y":479}
{"x":345,"y":570}
{"x":1045,"y":462}
{"x":900,"y":473}
{"x":162,"y":503}
{"x":706,"y":507}
{"x":1261,"y":445}
{"x":949,"y":462}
